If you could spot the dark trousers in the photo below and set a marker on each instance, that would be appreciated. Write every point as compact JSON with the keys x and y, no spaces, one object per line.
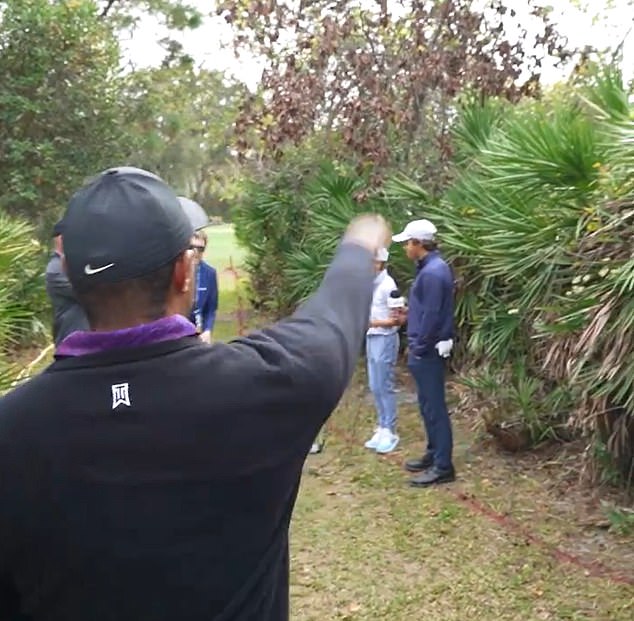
{"x":429,"y":374}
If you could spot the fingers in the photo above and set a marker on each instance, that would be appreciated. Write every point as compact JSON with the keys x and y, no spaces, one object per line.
{"x":370,"y":231}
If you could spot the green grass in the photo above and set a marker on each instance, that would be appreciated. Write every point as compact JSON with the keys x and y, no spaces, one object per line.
{"x":222,"y":252}
{"x":365,"y":546}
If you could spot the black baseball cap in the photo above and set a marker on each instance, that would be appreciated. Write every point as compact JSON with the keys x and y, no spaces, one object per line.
{"x":196,"y":214}
{"x":124,"y":224}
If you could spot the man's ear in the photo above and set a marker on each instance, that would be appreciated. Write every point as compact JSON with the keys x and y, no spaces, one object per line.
{"x":183,"y":276}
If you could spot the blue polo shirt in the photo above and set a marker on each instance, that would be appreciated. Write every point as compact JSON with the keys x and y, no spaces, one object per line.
{"x":206,"y":304}
{"x":431,"y":305}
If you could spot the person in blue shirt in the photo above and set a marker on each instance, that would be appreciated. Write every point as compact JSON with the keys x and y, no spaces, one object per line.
{"x":430,"y":331}
{"x":206,"y":301}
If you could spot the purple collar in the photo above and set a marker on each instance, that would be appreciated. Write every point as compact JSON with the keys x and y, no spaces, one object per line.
{"x":165,"y":329}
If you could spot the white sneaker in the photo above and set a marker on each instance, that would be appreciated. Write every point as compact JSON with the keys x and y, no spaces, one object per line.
{"x":388,"y":441}
{"x":373,"y":442}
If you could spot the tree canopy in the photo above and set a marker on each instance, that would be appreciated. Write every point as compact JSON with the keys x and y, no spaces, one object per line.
{"x":381,"y":84}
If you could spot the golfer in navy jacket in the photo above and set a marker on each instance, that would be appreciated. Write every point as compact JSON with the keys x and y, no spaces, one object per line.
{"x":430,"y":331}
{"x":206,"y":297}
{"x":146,"y":476}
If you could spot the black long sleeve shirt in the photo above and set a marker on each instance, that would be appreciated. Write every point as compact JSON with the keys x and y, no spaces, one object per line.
{"x":177,"y":505}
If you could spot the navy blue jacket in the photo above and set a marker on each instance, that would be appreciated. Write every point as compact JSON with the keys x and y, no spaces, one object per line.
{"x":204,"y":313}
{"x":431,"y":305}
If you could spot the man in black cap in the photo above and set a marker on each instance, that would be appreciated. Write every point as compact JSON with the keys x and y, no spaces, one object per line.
{"x":68,"y":315}
{"x":146,"y":475}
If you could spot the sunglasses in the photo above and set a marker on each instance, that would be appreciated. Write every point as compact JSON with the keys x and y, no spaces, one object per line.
{"x":199,"y":249}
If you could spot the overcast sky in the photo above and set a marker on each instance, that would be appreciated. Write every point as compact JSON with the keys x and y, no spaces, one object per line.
{"x":209,"y":44}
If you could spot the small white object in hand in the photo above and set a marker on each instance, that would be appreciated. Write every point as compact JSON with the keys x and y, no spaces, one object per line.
{"x":444,"y":348}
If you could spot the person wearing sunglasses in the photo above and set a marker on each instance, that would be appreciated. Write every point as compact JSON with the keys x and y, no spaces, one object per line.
{"x":203,"y":314}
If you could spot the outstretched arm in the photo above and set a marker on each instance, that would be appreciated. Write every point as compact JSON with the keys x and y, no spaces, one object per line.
{"x":311,"y":356}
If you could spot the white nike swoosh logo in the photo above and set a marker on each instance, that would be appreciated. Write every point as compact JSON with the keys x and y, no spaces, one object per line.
{"x":90,"y":270}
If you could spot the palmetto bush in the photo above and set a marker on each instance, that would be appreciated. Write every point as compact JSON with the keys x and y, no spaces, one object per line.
{"x":540,"y":224}
{"x":291,"y":226}
{"x":539,"y":227}
{"x":22,"y":297}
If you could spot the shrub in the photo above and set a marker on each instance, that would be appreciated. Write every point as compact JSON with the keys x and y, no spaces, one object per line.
{"x":22,"y":296}
{"x":59,"y":104}
{"x":291,"y":224}
{"x":518,"y":409}
{"x":540,"y":223}
{"x":538,"y":226}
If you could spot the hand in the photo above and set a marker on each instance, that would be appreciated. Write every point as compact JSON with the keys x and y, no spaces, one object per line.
{"x":384,"y":323}
{"x":444,"y":348}
{"x":400,"y":316}
{"x":205,"y":337}
{"x":370,"y":231}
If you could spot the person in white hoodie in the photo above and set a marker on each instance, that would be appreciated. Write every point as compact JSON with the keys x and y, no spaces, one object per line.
{"x":381,"y":351}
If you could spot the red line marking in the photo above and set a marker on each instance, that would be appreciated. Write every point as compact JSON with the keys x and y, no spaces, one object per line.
{"x":594,"y":568}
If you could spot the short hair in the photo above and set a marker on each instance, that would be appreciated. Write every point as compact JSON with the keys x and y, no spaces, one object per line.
{"x":202,"y":235}
{"x":427,"y":244}
{"x":145,"y":295}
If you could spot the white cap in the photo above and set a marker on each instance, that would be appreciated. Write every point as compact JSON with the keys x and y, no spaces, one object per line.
{"x":382,"y":255}
{"x":422,"y":230}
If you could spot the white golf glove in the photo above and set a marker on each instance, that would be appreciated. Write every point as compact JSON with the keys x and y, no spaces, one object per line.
{"x":444,"y":348}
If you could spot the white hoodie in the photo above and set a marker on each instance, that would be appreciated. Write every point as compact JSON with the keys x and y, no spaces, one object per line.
{"x":383,"y":285}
